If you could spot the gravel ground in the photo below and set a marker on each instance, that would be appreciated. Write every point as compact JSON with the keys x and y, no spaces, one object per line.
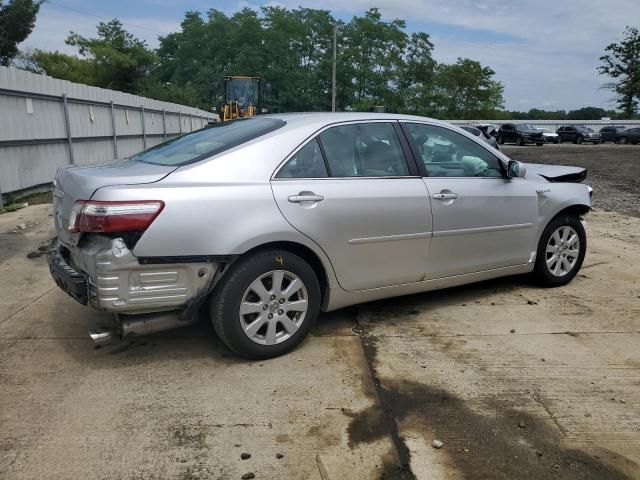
{"x":613,"y":170}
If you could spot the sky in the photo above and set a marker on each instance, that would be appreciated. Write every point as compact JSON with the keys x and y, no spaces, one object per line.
{"x":545,"y":52}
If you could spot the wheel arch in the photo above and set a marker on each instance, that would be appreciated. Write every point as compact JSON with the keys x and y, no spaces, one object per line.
{"x":577,"y":209}
{"x":307,"y":254}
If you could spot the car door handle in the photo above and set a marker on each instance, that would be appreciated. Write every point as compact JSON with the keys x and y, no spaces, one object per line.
{"x":305,"y":198}
{"x":445,"y":196}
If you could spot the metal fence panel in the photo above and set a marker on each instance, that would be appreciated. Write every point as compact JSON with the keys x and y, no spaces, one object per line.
{"x":46,"y":123}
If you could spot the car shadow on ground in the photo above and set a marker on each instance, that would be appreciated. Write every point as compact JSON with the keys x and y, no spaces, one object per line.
{"x":200,"y":341}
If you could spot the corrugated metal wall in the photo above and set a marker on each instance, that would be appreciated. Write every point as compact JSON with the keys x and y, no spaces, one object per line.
{"x":47,"y":123}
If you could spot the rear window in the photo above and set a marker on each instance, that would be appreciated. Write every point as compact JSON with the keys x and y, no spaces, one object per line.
{"x":207,"y":142}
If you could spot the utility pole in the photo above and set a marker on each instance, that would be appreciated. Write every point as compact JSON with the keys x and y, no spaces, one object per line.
{"x":333,"y":73}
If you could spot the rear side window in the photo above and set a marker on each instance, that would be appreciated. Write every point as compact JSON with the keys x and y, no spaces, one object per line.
{"x":306,"y":163}
{"x":207,"y":142}
{"x":364,"y":150}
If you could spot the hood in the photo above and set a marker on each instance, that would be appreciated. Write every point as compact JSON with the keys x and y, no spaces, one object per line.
{"x":557,"y":173}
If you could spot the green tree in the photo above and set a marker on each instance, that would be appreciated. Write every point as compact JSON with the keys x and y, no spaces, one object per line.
{"x":17,"y":19}
{"x":622,"y":63}
{"x":587,"y":113}
{"x":373,"y":58}
{"x":115,"y":59}
{"x":465,"y":89}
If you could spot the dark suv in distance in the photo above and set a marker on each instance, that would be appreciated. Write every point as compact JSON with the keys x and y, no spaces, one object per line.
{"x":520,"y":134}
{"x":631,"y":135}
{"x":578,"y":134}
{"x":609,"y":134}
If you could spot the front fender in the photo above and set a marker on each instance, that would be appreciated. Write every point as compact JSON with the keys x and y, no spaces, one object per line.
{"x":553,"y":198}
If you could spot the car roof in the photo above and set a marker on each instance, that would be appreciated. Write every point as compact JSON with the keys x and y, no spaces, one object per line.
{"x":325,"y":118}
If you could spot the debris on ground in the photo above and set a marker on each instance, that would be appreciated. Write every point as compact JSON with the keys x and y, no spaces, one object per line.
{"x":531,"y":302}
{"x":522,"y":424}
{"x":513,"y":330}
{"x":245,"y":456}
{"x":33,"y":254}
{"x":248,"y":476}
{"x":437,"y":444}
{"x":279,"y":455}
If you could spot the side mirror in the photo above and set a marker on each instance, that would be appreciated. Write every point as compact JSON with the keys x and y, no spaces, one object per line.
{"x":516,"y":169}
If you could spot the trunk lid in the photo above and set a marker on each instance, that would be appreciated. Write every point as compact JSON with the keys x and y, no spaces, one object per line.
{"x":80,"y":183}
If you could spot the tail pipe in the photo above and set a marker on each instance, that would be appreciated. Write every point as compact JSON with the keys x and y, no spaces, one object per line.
{"x":142,"y":324}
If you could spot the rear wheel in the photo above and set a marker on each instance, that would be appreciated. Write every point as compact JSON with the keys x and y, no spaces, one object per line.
{"x":539,"y":144}
{"x":520,"y":142}
{"x":579,"y":140}
{"x":266,"y":304}
{"x":561,"y":251}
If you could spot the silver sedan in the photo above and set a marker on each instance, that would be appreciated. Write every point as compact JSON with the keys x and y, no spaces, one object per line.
{"x":262,"y":223}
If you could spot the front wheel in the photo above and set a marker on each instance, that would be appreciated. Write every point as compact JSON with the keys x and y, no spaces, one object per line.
{"x":266,"y":304}
{"x":520,"y":142}
{"x":561,"y":251}
{"x":579,"y":140}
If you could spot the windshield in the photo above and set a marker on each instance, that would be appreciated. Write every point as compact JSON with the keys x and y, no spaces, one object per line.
{"x":207,"y":142}
{"x":244,"y":91}
{"x":525,"y":127}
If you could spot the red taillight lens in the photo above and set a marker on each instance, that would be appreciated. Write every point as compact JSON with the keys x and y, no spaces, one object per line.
{"x":109,"y":217}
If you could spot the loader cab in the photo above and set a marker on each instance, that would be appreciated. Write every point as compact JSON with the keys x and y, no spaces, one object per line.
{"x":243,"y":97}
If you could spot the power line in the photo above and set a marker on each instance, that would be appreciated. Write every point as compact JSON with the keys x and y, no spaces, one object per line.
{"x":84,"y":12}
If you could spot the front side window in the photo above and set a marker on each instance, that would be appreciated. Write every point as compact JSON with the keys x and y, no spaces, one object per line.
{"x":306,"y":163}
{"x":207,"y":142}
{"x":446,"y":153}
{"x":363,"y":150}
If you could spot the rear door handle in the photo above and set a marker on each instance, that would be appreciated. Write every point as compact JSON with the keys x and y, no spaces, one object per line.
{"x":305,"y":198}
{"x":445,"y":196}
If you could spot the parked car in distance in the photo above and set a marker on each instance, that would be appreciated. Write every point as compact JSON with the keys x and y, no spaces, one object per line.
{"x":489,"y":128}
{"x":520,"y":134}
{"x":630,"y":135}
{"x":478,"y":132}
{"x":261,"y":223}
{"x":549,"y":136}
{"x":578,"y":134}
{"x":609,"y":133}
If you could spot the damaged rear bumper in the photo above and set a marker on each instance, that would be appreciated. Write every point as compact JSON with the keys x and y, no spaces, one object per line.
{"x":104,"y":273}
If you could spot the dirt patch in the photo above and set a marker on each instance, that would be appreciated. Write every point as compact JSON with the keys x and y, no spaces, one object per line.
{"x":613,"y":170}
{"x":502,"y":443}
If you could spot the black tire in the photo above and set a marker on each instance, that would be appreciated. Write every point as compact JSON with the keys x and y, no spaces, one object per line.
{"x":556,"y":141}
{"x":596,"y":143}
{"x":228,"y":294}
{"x":560,"y":140}
{"x":579,"y":140}
{"x":623,"y":141}
{"x":520,"y":142}
{"x":541,"y":273}
{"x":500,"y":140}
{"x":539,"y":144}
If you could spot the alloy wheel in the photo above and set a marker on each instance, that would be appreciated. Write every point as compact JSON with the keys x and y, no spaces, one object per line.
{"x":273,"y":307}
{"x":563,"y":250}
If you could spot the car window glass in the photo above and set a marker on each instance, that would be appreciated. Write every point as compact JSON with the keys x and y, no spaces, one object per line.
{"x":306,"y":163}
{"x":208,"y":141}
{"x":364,"y":150}
{"x":446,"y":153}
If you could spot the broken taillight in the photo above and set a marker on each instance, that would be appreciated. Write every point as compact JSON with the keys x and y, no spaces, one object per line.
{"x":110,"y":217}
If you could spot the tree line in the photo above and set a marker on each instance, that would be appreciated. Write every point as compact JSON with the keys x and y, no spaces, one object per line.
{"x":378,"y":63}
